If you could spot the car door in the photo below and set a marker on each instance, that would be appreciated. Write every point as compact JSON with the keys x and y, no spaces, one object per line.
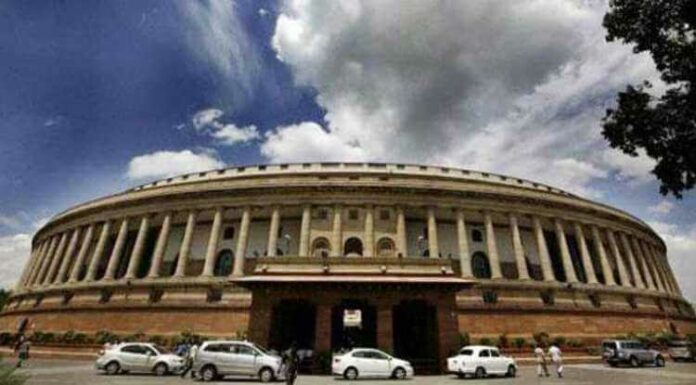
{"x":484,"y":359}
{"x":497,"y":362}
{"x":379,"y":363}
{"x":246,"y":360}
{"x":131,"y":357}
{"x":361,"y":362}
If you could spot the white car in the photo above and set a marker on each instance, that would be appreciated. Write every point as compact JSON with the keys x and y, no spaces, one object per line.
{"x":216,"y":359}
{"x":138,"y":357}
{"x":481,"y":361}
{"x":366,"y":362}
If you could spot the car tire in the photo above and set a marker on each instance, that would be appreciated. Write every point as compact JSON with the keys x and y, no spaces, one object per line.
{"x":209,"y":373}
{"x":511,"y":372}
{"x":350,"y":373}
{"x":266,"y":375}
{"x":112,"y":368}
{"x":659,"y":361}
{"x":161,"y":369}
{"x":480,"y":372}
{"x":399,"y":374}
{"x":634,"y":362}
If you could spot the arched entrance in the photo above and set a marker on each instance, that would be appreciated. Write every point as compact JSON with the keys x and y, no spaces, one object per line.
{"x":414,"y":324}
{"x":321,"y":248}
{"x":353,"y":324}
{"x":480,"y":265}
{"x":385,"y":247}
{"x":223,"y":263}
{"x":292,"y":321}
{"x":353,"y":247}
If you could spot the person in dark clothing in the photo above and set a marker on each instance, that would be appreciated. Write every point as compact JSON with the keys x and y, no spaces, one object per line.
{"x":291,"y":363}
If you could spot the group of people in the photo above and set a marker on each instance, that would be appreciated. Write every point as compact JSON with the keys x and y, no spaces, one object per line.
{"x":556,"y":357}
{"x":188,"y":351}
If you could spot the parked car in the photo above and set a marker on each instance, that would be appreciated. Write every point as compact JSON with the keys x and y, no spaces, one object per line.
{"x":138,"y":357}
{"x":481,"y":361}
{"x":616,"y":352}
{"x":369,"y":363}
{"x":216,"y":359}
{"x":682,"y":350}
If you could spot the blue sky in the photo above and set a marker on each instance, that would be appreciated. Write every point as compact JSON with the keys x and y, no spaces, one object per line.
{"x":96,"y":97}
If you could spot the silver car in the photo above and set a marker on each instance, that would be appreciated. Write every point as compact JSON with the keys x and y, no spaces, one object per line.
{"x":138,"y":357}
{"x":615,"y":352}
{"x":216,"y":359}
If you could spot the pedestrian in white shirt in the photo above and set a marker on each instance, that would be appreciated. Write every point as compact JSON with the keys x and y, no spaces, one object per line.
{"x":556,"y":359}
{"x":542,"y":369}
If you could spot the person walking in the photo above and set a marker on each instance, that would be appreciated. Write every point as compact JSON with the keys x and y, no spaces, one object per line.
{"x":190,"y":357}
{"x":556,"y":359}
{"x":542,"y":369}
{"x":22,"y":350}
{"x":291,"y":363}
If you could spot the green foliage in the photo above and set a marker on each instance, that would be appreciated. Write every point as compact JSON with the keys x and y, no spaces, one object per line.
{"x":485,"y":341}
{"x":6,"y":338}
{"x":664,"y":338}
{"x":575,"y":343}
{"x":503,"y":340}
{"x":9,"y":376}
{"x":559,"y":340}
{"x":518,"y":342}
{"x":158,"y":339}
{"x":324,"y":362}
{"x":464,"y":339}
{"x":541,"y":338}
{"x":4,"y":296}
{"x":104,"y":336}
{"x":664,"y":127}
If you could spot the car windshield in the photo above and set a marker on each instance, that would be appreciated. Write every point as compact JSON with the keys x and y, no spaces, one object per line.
{"x":466,"y":352}
{"x":262,"y":349}
{"x":162,"y":350}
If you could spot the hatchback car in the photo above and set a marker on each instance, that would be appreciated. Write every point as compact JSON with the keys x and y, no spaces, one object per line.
{"x":481,"y":361}
{"x":138,"y":357}
{"x":369,"y":363}
{"x":616,"y":352}
{"x":681,"y":350}
{"x":216,"y":359}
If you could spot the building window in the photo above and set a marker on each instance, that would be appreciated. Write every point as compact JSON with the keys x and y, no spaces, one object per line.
{"x":476,"y":235}
{"x":490,"y":297}
{"x":321,"y":214}
{"x":595,"y":300}
{"x":480,"y":265}
{"x":214,"y":295}
{"x":223,"y":263}
{"x":385,"y":247}
{"x":353,"y":214}
{"x":228,"y":233}
{"x":384,"y":215}
{"x":547,"y":298}
{"x":353,"y":247}
{"x":321,"y":247}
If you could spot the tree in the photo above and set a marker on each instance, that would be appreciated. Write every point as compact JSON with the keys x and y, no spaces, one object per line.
{"x":663,"y":126}
{"x":4,"y":295}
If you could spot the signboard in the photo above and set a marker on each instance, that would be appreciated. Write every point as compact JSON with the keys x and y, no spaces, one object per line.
{"x":352,"y":318}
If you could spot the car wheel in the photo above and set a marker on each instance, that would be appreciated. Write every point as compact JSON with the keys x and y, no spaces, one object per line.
{"x":399,"y":373}
{"x":350,"y":374}
{"x":634,"y":362}
{"x":113,"y":368}
{"x":208,"y":373}
{"x":511,"y":372}
{"x":266,"y":375}
{"x":659,"y":361}
{"x":161,"y":369}
{"x":480,"y":372}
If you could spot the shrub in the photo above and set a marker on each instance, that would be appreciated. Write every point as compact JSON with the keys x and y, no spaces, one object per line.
{"x":664,"y":338}
{"x":158,"y":339}
{"x":518,"y":342}
{"x":503,"y":340}
{"x":485,"y":341}
{"x":575,"y":343}
{"x":464,"y":339}
{"x":104,"y":336}
{"x":560,"y":341}
{"x":540,"y":338}
{"x":81,"y":338}
{"x":6,"y":338}
{"x":67,"y":337}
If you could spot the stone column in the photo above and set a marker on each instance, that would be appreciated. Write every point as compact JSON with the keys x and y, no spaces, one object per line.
{"x":518,"y":249}
{"x":544,"y":257}
{"x":82,"y":254}
{"x":55,"y":261}
{"x":637,"y":279}
{"x":463,"y":243}
{"x":115,"y":256}
{"x":272,"y":247}
{"x":623,"y":274}
{"x":433,"y":244}
{"x":606,"y":267}
{"x":213,"y":241}
{"x":659,"y":265}
{"x":28,"y":266}
{"x":585,"y":255}
{"x":185,"y":248}
{"x":240,"y":255}
{"x":670,"y":272}
{"x":160,"y":246}
{"x":651,"y":266}
{"x":369,"y":249}
{"x":98,"y":252}
{"x":45,"y":261}
{"x":649,"y":283}
{"x":138,"y":248}
{"x":401,"y":246}
{"x":305,"y":228}
{"x":492,"y":247}
{"x":36,"y":261}
{"x":666,"y":268}
{"x":337,"y":233}
{"x":565,"y":253}
{"x":63,"y":271}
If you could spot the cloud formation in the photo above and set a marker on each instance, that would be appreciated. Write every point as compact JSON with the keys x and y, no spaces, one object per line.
{"x":14,"y":252}
{"x":164,"y":164}
{"x":661,"y":208}
{"x":209,"y":122}
{"x":509,"y":87}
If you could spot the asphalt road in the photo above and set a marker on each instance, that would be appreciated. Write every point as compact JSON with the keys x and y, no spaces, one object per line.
{"x":44,"y":372}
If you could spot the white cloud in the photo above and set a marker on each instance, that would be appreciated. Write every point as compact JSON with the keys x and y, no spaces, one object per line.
{"x":209,"y":121}
{"x":10,"y":222}
{"x":681,"y":250}
{"x":661,"y":208}
{"x":163,"y":164}
{"x":632,"y":169}
{"x":14,"y":253}
{"x":263,"y":12}
{"x":516,"y":88}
